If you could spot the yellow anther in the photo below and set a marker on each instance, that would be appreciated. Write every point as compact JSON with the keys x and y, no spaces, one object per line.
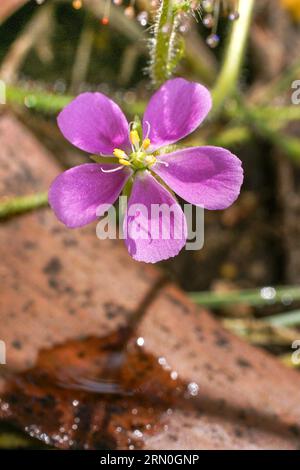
{"x":124,"y":162}
{"x":134,"y":137}
{"x":150,"y":160}
{"x":119,"y":153}
{"x":146,"y":143}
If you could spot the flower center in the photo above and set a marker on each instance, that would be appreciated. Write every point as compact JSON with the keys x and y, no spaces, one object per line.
{"x":138,"y":159}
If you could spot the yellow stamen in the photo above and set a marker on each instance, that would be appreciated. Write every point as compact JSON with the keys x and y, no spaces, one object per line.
{"x":119,"y":153}
{"x":150,"y":160}
{"x":146,"y":143}
{"x":124,"y":162}
{"x":134,"y":137}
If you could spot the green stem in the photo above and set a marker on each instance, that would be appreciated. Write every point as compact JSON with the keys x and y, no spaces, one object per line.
{"x":159,"y":50}
{"x":20,"y":204}
{"x":52,"y":103}
{"x":234,"y":55}
{"x":285,"y":319}
{"x":166,"y":46}
{"x":255,"y":297}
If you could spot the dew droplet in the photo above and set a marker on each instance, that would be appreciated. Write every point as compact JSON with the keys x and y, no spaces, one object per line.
{"x":193,"y":389}
{"x":162,"y":361}
{"x":142,"y":18}
{"x":287,"y":300}
{"x":140,"y":341}
{"x":166,"y":28}
{"x":208,"y":20}
{"x":174,"y":375}
{"x":212,"y":40}
{"x":129,"y":12}
{"x":138,"y":434}
{"x":59,"y":86}
{"x":268,"y":293}
{"x":233,"y":15}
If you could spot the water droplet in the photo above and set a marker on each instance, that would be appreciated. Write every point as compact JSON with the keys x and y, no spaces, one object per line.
{"x":142,"y":18}
{"x":162,"y":361}
{"x":59,"y":86}
{"x":129,"y":12}
{"x":174,"y":375}
{"x":287,"y":300}
{"x":166,"y":28}
{"x":208,"y":21}
{"x":138,"y":434}
{"x":134,"y":411}
{"x":4,"y":406}
{"x":193,"y":389}
{"x":184,"y":27}
{"x":268,"y":293}
{"x":75,"y":403}
{"x":212,"y":40}
{"x":233,"y":16}
{"x":140,"y":341}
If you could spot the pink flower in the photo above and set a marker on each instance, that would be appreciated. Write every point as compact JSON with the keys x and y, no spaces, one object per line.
{"x":210,"y":177}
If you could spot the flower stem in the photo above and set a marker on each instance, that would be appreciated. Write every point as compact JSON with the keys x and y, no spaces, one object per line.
{"x":165,"y":46}
{"x":20,"y":204}
{"x":234,"y":55}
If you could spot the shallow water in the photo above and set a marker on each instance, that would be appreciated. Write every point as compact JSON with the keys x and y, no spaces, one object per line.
{"x":96,"y":393}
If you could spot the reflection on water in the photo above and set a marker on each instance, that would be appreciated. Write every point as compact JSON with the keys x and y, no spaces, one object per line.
{"x":96,"y":393}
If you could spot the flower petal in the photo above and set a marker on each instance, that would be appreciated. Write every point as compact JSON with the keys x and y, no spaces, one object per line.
{"x":76,"y":194}
{"x":154,"y":226}
{"x":205,"y":176}
{"x":175,"y":110}
{"x":94,"y":123}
